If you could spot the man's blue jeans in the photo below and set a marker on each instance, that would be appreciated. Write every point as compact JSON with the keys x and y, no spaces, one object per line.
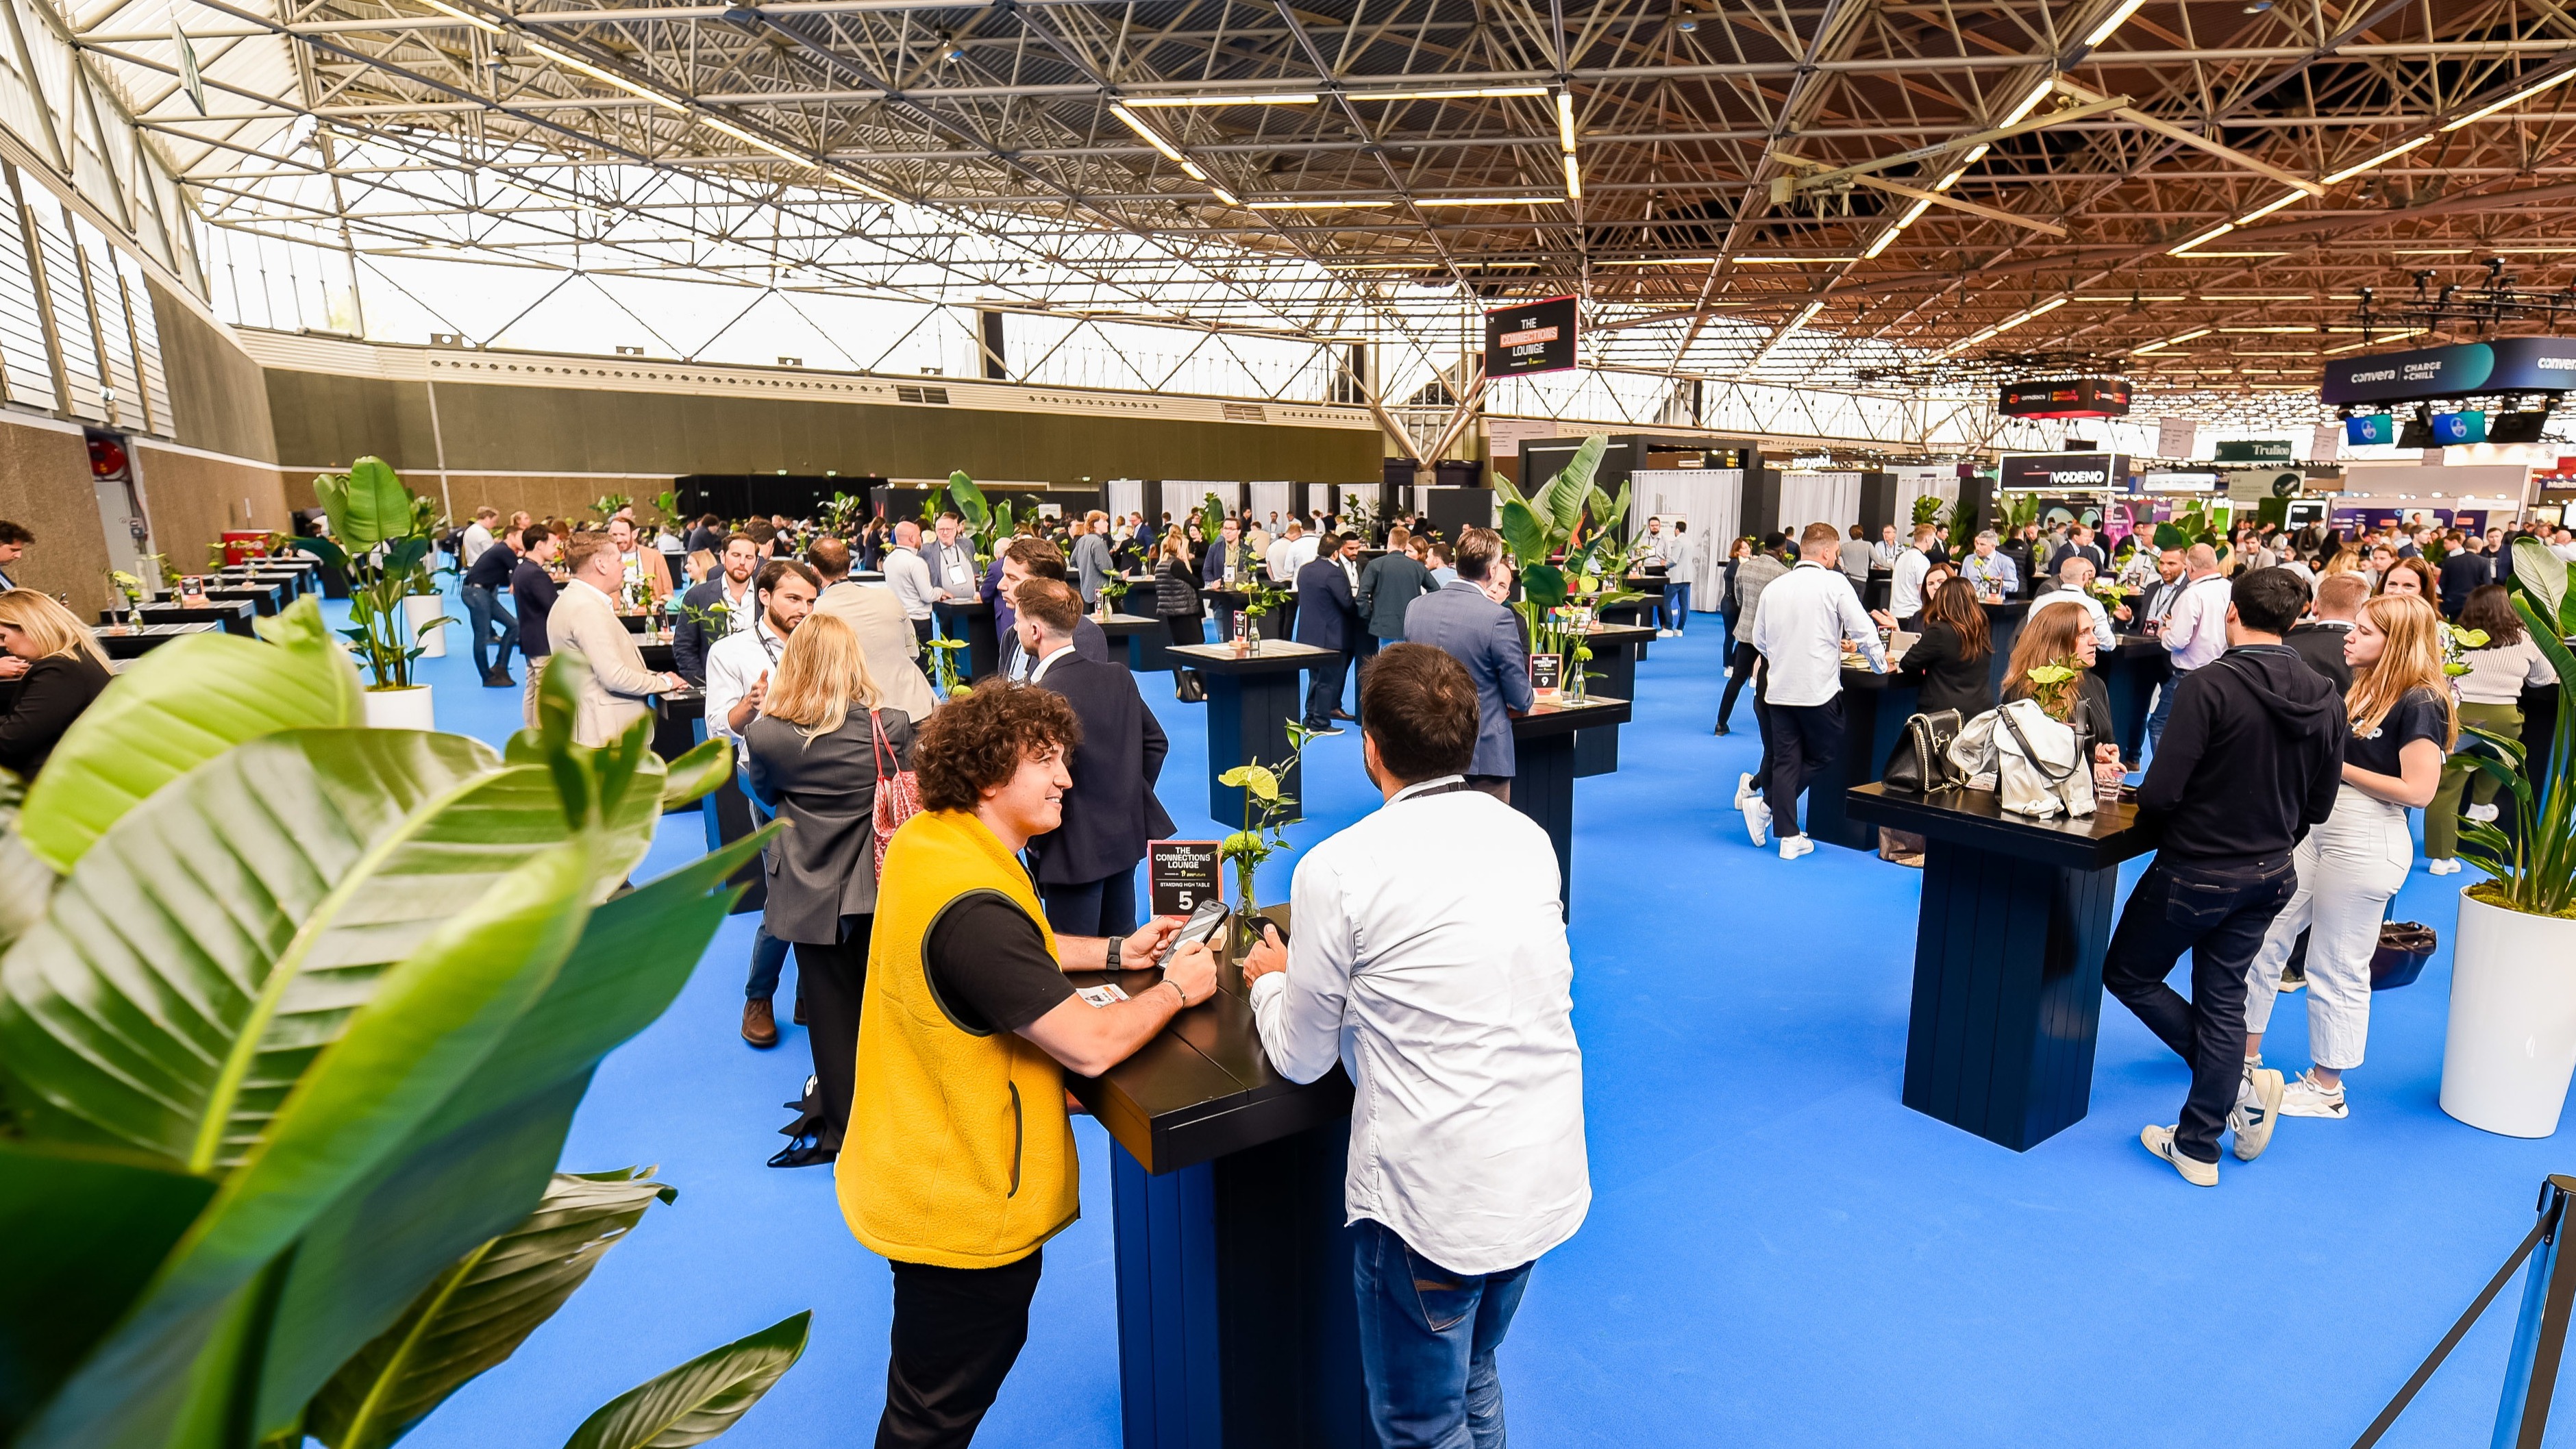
{"x":2163,"y":711}
{"x":1427,"y":1341}
{"x":1676,"y":606}
{"x":483,"y":608}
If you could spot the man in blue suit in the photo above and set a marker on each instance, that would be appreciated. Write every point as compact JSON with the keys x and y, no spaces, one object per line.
{"x":1467,"y":620}
{"x":1329,"y":618}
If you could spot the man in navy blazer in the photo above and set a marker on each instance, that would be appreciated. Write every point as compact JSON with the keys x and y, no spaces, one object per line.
{"x":1086,"y":867}
{"x":1228,"y":552}
{"x":1328,"y":617}
{"x":1023,"y":559}
{"x":1466,"y":620}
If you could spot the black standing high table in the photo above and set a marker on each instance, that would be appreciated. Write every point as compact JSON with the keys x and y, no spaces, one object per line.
{"x":679,"y":725}
{"x":1875,"y":708}
{"x":233,"y":615}
{"x":1250,"y":699}
{"x":1615,"y":651}
{"x":2130,"y":675}
{"x":972,"y":621}
{"x":1137,"y":641}
{"x":2008,"y":950}
{"x":1632,"y":614}
{"x":1543,"y":773}
{"x":134,"y":643}
{"x":1229,"y":602}
{"x":1237,"y":1324}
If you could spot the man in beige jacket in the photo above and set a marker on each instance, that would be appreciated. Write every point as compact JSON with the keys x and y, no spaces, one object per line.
{"x":886,"y":640}
{"x":584,"y":621}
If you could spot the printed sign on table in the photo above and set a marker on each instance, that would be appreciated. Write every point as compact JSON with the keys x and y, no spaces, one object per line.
{"x":1180,"y":875}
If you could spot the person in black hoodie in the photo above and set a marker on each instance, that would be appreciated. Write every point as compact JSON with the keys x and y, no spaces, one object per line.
{"x":2251,"y":759}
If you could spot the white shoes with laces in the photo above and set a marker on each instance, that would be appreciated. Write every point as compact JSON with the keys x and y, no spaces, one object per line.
{"x":1744,"y":790}
{"x":2258,"y":1111}
{"x":1757,"y":821}
{"x":1793,"y":846}
{"x":2308,"y":1097}
{"x":2160,"y":1141}
{"x":2484,"y":814}
{"x":2443,"y":866}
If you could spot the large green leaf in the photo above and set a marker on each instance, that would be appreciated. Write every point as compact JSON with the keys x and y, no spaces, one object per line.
{"x":374,"y":506}
{"x":178,"y":707}
{"x":698,"y":773}
{"x":1524,"y":534}
{"x":478,"y":1312}
{"x":1571,"y":488}
{"x":970,"y":501}
{"x":171,"y":1374}
{"x":1543,"y":585}
{"x":2542,"y":575}
{"x":701,"y":1398}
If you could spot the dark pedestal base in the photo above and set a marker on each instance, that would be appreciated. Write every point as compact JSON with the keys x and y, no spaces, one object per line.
{"x":1614,"y":661}
{"x":2130,"y":677}
{"x":1236,"y":1325}
{"x":1543,"y":790}
{"x":1874,"y":716}
{"x":973,"y":623}
{"x":1248,"y":717}
{"x":2007,"y":992}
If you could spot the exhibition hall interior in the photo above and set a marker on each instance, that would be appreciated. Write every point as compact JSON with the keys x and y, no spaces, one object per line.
{"x":1286,"y":724}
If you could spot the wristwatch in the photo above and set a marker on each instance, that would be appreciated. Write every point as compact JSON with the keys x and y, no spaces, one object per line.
{"x":1114,"y":944}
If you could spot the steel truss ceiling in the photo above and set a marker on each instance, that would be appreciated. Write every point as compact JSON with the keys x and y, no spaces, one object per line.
{"x":1801,"y":193}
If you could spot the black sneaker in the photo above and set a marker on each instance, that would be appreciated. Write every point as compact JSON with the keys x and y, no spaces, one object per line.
{"x":1326,"y":732}
{"x":499,"y":681}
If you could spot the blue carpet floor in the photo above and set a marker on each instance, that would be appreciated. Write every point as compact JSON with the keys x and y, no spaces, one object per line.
{"x":1779,"y":1253}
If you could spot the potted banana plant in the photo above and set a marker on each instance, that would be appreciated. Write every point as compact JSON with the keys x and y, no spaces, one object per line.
{"x":1564,"y":542}
{"x":380,"y":538}
{"x":2510,"y":1046}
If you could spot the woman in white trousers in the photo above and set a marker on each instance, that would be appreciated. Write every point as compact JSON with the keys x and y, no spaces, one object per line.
{"x":2403,"y":723}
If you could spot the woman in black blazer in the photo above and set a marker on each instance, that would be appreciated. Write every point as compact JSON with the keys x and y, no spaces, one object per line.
{"x":1177,"y":604}
{"x":1952,"y":663}
{"x":57,"y":667}
{"x":814,"y":754}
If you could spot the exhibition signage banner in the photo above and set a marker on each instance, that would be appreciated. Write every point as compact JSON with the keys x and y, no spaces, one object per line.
{"x":1179,"y":874}
{"x":2255,"y":450}
{"x":2062,"y":472}
{"x":2066,"y":397}
{"x":2508,"y":364}
{"x":1530,"y":337}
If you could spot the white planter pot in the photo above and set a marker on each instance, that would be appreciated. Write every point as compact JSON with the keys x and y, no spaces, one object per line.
{"x":419,"y":609}
{"x":401,"y":709}
{"x":2511,"y":1046}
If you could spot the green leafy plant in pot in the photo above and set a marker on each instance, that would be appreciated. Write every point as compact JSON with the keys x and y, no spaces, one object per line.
{"x":1268,"y":811}
{"x":380,"y":537}
{"x":986,"y":520}
{"x":1564,"y":542}
{"x":284,"y":1163}
{"x":2511,"y":1042}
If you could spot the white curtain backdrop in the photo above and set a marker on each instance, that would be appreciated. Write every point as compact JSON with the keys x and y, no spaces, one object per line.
{"x":1930,"y":480}
{"x":1269,"y":498}
{"x":1181,"y":495}
{"x":1126,"y":495}
{"x":1711,"y":500}
{"x":1819,"y":498}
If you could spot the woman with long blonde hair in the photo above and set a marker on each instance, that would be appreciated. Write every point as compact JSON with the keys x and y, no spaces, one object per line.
{"x":822,"y":743}
{"x":59,"y":668}
{"x":2403,"y":724}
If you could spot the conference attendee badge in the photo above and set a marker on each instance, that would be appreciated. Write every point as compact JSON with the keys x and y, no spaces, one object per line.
{"x":1180,"y":875}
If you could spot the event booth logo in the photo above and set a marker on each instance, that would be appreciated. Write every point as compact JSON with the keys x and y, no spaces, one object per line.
{"x":2508,"y":364}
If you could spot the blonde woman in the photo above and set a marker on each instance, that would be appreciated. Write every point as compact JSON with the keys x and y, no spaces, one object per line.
{"x":2403,"y":725}
{"x":815,"y":752}
{"x":58,"y":668}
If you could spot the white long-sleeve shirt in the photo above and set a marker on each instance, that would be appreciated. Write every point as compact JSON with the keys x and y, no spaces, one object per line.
{"x":2195,"y":632}
{"x":477,"y":538}
{"x":1429,"y":958}
{"x":2102,"y":633}
{"x":736,"y":663}
{"x":908,"y":574}
{"x":1799,"y":628}
{"x":1905,"y":590}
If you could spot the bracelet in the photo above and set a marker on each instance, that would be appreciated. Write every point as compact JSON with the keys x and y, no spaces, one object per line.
{"x":1177,"y":991}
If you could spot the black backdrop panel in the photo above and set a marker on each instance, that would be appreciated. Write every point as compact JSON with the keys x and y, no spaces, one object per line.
{"x":745,"y":495}
{"x":1454,"y":509}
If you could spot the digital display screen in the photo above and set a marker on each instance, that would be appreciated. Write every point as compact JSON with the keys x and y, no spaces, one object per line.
{"x":2370,"y":428}
{"x":2454,"y":428}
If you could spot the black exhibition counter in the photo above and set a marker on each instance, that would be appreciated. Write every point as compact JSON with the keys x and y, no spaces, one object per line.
{"x":1543,"y":750}
{"x":1237,"y":1327}
{"x":972,"y":621}
{"x":1140,"y":642}
{"x":2008,"y":946}
{"x":135,"y":643}
{"x":1616,"y":648}
{"x":1250,"y":699}
{"x":1633,"y":613}
{"x":234,"y":616}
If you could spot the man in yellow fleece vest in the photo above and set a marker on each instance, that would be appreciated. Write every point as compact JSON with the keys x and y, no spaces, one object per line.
{"x":959,"y":1161}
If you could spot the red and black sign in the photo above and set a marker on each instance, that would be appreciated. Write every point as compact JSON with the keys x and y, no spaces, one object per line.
{"x":1530,"y":337}
{"x":2067,"y":397}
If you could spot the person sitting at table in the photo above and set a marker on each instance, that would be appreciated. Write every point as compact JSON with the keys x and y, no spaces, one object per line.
{"x":59,"y":668}
{"x":2061,"y":637}
{"x":1951,"y":663}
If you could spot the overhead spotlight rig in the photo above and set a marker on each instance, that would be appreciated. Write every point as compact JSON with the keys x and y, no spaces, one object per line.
{"x":1996,"y":367}
{"x":2456,"y":308}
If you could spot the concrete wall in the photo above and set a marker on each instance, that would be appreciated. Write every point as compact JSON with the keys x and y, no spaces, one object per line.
{"x":45,"y":485}
{"x":192,"y":497}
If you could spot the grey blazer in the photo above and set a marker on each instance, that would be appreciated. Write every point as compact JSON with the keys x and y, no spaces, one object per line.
{"x":823,"y":865}
{"x":1485,"y":637}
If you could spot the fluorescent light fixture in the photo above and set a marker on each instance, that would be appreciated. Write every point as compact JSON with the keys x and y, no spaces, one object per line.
{"x":2006,"y":325}
{"x":1274,"y":98}
{"x":1450,"y":93}
{"x":1914,"y":213}
{"x":748,"y":139}
{"x":2175,"y":341}
{"x":2211,"y":235}
{"x":1946,"y":182}
{"x":2282,"y":331}
{"x":2241,"y":256}
{"x":1487,"y":200}
{"x":1879,"y":243}
{"x":2117,"y":18}
{"x":2267,"y":208}
{"x":1661,"y":262}
{"x":596,"y":73}
{"x":2038,"y":93}
{"x":1565,"y":121}
{"x":1787,"y":261}
{"x":1191,"y":169}
{"x":2526,"y":93}
{"x":2382,"y":159}
{"x":1304,"y":204}
{"x":1224,"y":195}
{"x":1801,"y":320}
{"x":1573,"y":179}
{"x":460,"y":13}
{"x":1148,"y":134}
{"x":2374,"y":342}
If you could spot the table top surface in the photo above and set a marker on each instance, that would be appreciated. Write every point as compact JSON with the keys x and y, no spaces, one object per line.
{"x":1276,"y":655}
{"x":1620,"y":633}
{"x":1976,"y":818}
{"x":220,"y":608}
{"x":1125,"y":623}
{"x":156,"y":631}
{"x":1564,"y":716}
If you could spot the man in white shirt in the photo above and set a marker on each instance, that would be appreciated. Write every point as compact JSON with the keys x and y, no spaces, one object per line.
{"x":2563,"y":544}
{"x":478,"y":535}
{"x":1429,"y":960}
{"x":2075,"y":586}
{"x":1291,"y":551}
{"x":738,"y":670}
{"x":1905,"y":590}
{"x":1650,"y":548}
{"x":1883,"y":553}
{"x":2194,"y":631}
{"x":909,"y":576}
{"x":1799,"y":627}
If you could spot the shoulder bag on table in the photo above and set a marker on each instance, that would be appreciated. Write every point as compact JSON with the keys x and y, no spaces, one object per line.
{"x":1920,"y":763}
{"x":898,"y":794}
{"x":2040,"y":764}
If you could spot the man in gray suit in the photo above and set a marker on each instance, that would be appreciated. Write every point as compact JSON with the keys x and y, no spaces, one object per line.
{"x":1467,"y":621}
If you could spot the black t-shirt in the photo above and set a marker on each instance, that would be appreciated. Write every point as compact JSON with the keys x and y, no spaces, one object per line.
{"x":989,"y":967}
{"x":2418,"y":716}
{"x":491,"y":568}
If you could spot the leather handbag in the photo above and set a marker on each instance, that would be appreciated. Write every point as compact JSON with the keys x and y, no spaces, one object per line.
{"x":898,"y":793}
{"x":2404,"y":947}
{"x":2031,"y":777}
{"x":1920,"y":763}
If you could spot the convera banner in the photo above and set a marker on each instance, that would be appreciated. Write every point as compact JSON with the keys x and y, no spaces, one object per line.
{"x":2508,"y":364}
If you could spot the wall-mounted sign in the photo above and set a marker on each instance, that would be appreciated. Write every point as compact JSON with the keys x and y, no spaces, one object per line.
{"x":2067,"y":397}
{"x":2062,"y":472}
{"x":2255,"y":450}
{"x":2508,"y":364}
{"x":1530,"y":337}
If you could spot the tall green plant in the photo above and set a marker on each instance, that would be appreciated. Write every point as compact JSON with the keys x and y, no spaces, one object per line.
{"x":1559,"y":559}
{"x":987,"y":521}
{"x":381,"y":534}
{"x":2533,"y":869}
{"x":294,"y":1017}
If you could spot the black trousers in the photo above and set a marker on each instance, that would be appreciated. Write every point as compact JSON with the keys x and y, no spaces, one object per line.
{"x":1802,"y":740}
{"x":2219,"y":914}
{"x":1324,"y":690}
{"x":957,"y":1331}
{"x":1738,"y":669}
{"x":833,"y":980}
{"x":921,"y":630}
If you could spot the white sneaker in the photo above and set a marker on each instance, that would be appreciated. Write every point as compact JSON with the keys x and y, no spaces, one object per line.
{"x":2444,"y":866}
{"x":2485,"y":814}
{"x":1757,"y":821}
{"x":2307,"y":1097}
{"x":1793,"y":846}
{"x":1668,"y":633}
{"x":2159,"y":1140}
{"x":1744,"y":791}
{"x":2258,"y":1111}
